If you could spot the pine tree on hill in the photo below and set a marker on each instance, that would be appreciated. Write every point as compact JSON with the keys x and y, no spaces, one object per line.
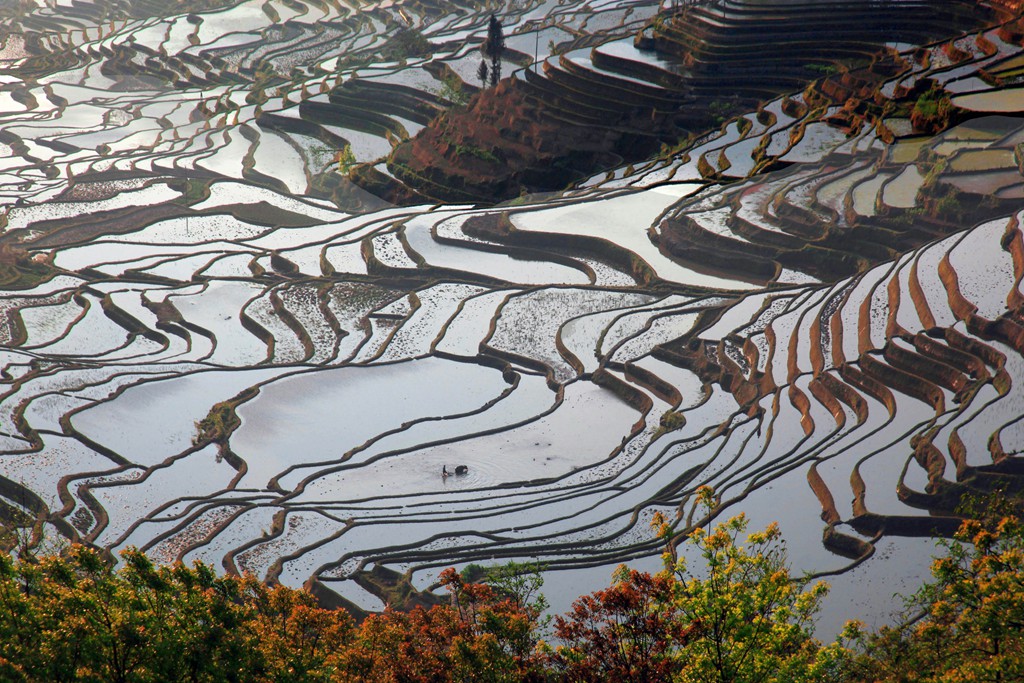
{"x":493,"y":48}
{"x":482,"y":73}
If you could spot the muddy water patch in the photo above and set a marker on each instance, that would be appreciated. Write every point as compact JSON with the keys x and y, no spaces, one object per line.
{"x":1009,"y":100}
{"x":901,"y":191}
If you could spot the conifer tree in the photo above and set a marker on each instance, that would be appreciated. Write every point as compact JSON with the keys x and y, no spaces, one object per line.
{"x":493,"y":48}
{"x":482,"y":73}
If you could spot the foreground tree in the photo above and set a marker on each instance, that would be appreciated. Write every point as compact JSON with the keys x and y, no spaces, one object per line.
{"x":505,"y":616}
{"x":741,"y":618}
{"x":629,"y":632}
{"x":971,"y":617}
{"x":75,"y":618}
{"x":747,"y":620}
{"x":753,"y":620}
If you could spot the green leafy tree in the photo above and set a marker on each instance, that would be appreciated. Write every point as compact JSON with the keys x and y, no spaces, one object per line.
{"x":346,"y":159}
{"x":744,"y":619}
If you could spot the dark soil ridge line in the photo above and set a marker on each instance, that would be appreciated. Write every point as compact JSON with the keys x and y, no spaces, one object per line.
{"x":18,"y":333}
{"x":973,"y":372}
{"x":22,"y":497}
{"x":527,"y":254}
{"x":276,"y":531}
{"x":530,"y":482}
{"x":257,"y":330}
{"x":70,"y":431}
{"x":155,"y":514}
{"x":289,"y":319}
{"x":399,"y":319}
{"x":170,"y":321}
{"x":132,"y":325}
{"x":274,"y":571}
{"x":87,"y":227}
{"x":659,"y":310}
{"x":509,"y":550}
{"x":422,"y":275}
{"x":448,"y":274}
{"x":466,"y":552}
{"x":501,"y":229}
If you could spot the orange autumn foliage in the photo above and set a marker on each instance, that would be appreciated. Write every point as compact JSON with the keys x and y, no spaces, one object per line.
{"x":74,"y":618}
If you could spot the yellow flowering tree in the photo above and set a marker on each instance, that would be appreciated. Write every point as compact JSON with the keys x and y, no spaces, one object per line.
{"x":970,"y":621}
{"x":753,"y":621}
{"x":743,"y":619}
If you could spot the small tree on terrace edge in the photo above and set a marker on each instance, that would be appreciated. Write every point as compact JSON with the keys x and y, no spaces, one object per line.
{"x":494,"y":47}
{"x":482,"y":73}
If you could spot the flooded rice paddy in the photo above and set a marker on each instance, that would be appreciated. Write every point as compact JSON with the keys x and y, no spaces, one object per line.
{"x":207,"y":356}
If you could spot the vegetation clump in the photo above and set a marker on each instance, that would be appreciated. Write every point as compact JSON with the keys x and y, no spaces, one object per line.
{"x":932,"y":112}
{"x":740,"y":618}
{"x":406,"y":43}
{"x":346,"y":159}
{"x":217,"y":425}
{"x":452,"y":90}
{"x":21,"y":270}
{"x":823,"y":69}
{"x":671,"y":420}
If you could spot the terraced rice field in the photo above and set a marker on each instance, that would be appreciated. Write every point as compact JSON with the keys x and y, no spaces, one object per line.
{"x":217,"y":346}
